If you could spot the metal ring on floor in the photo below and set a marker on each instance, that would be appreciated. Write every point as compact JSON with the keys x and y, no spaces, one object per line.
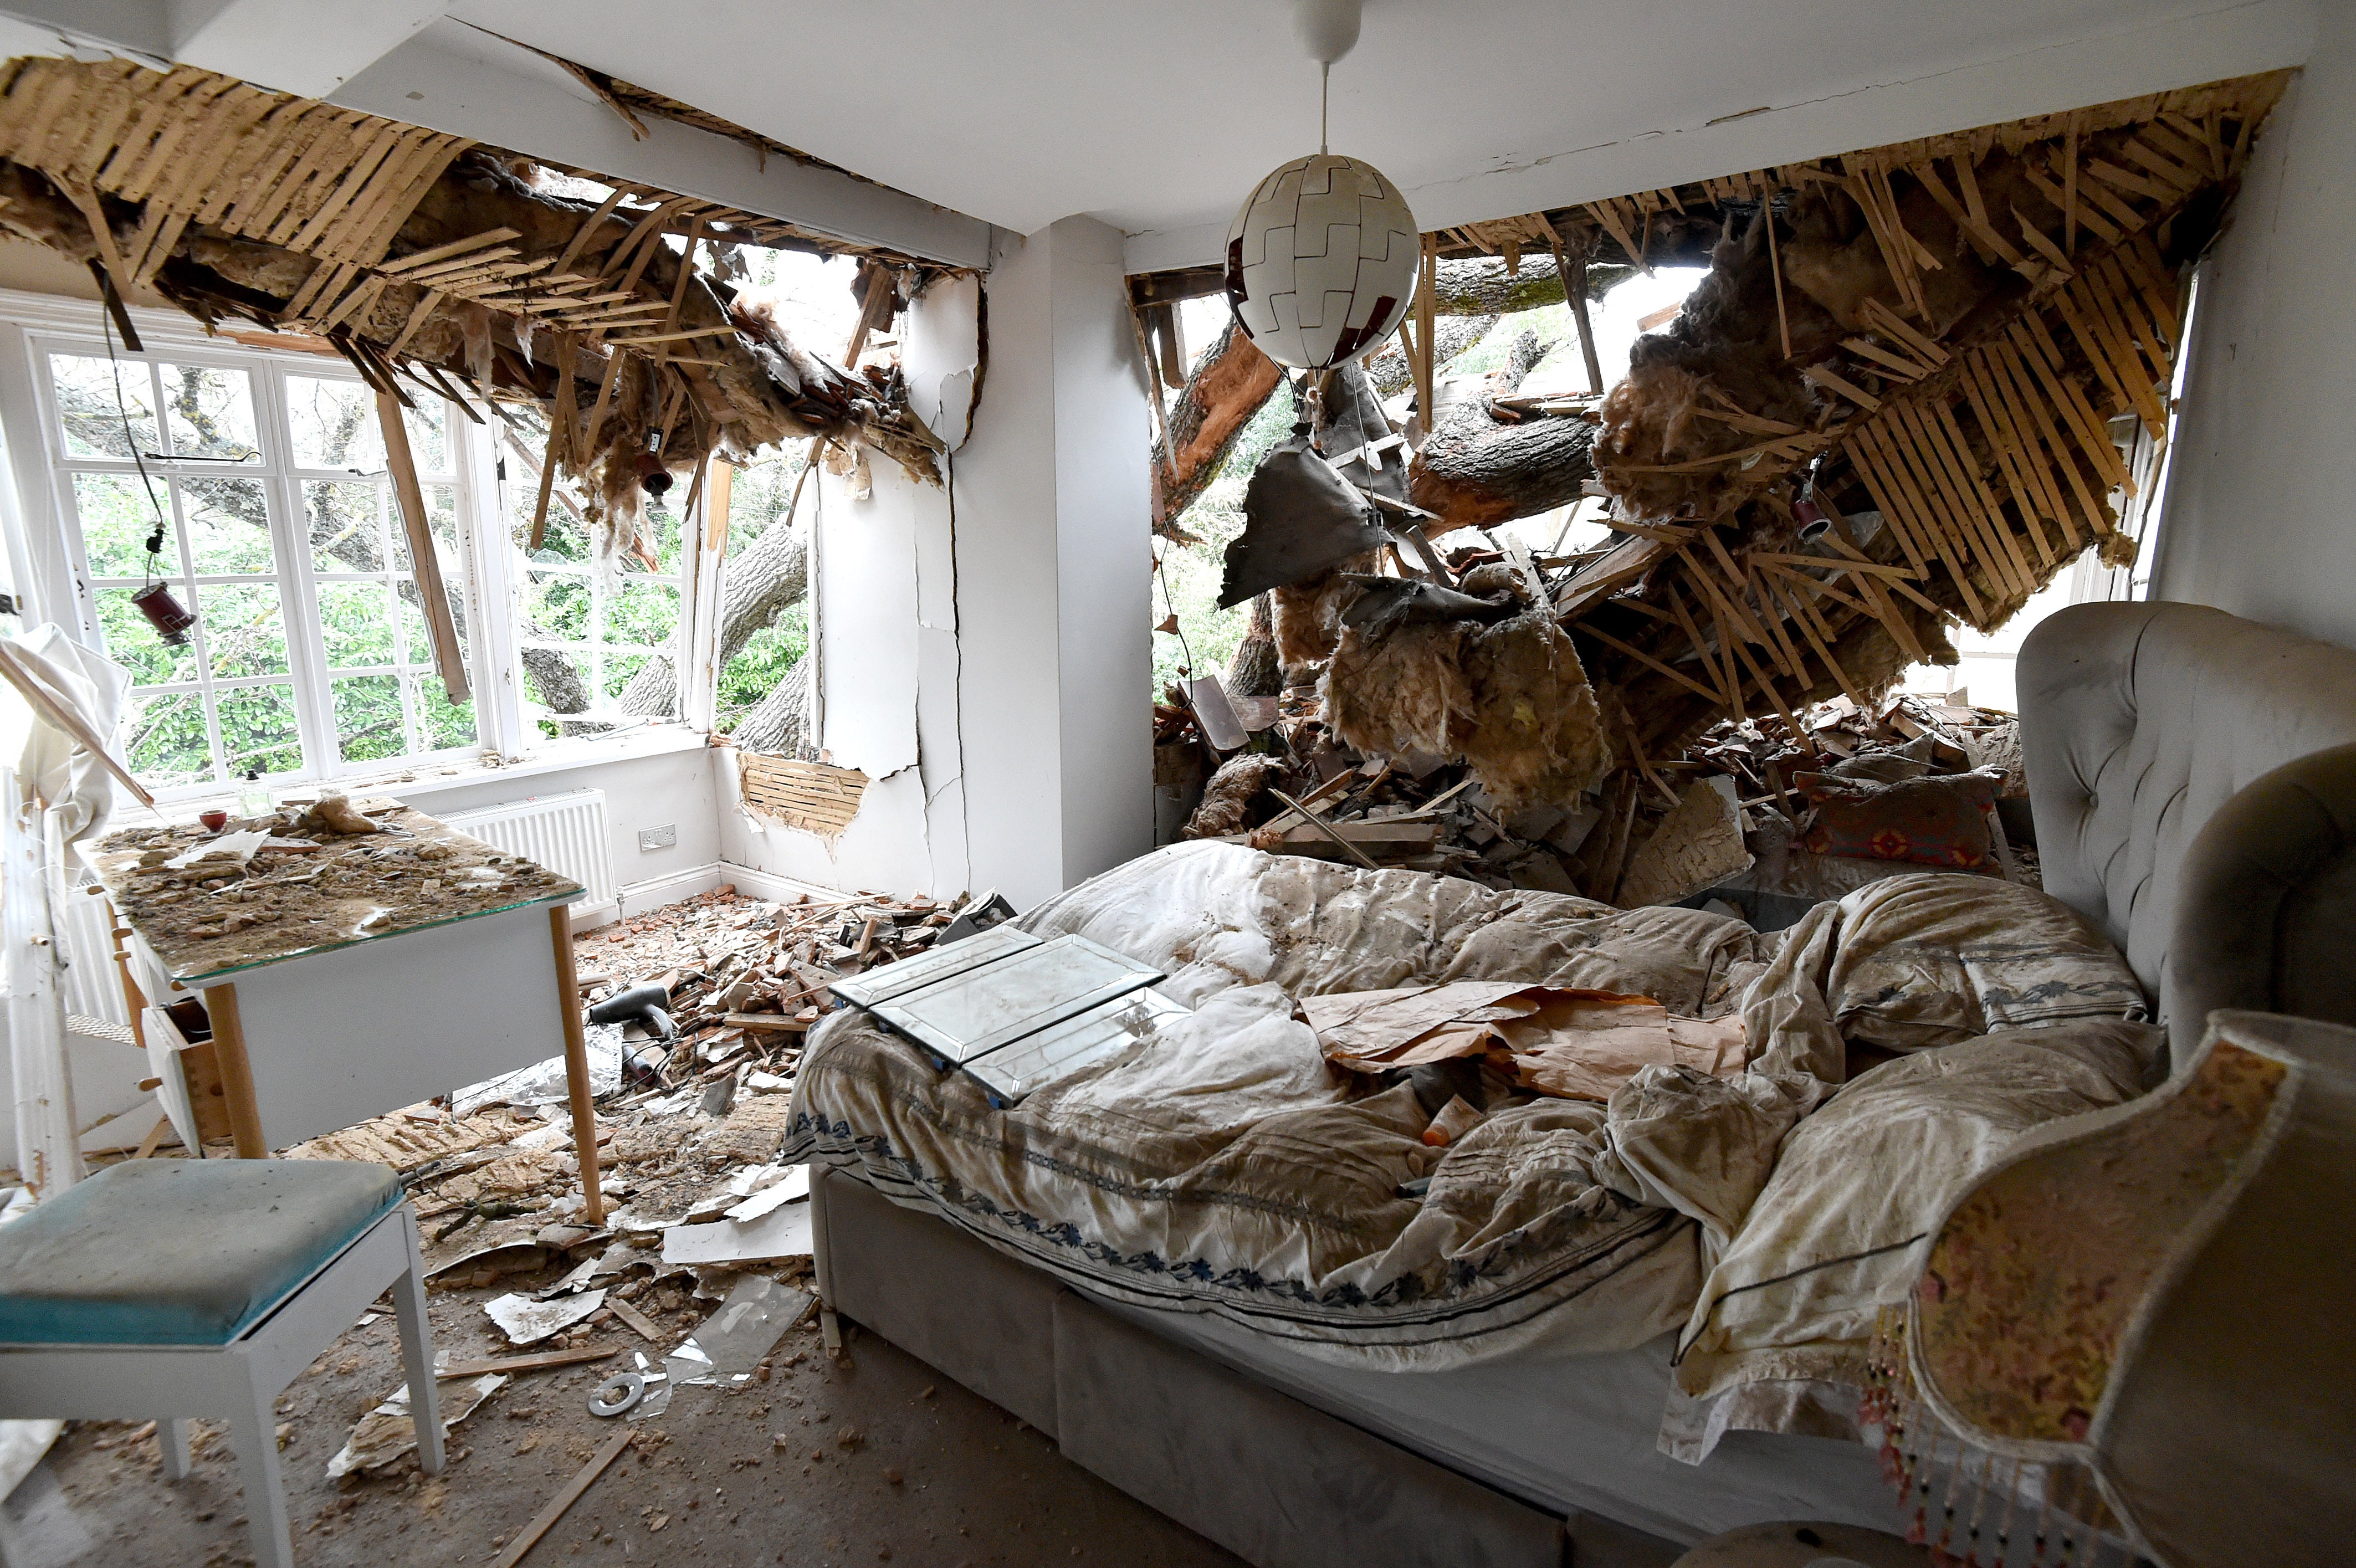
{"x":617,"y":1394}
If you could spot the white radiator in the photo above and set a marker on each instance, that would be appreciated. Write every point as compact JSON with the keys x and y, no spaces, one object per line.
{"x":566,"y":833}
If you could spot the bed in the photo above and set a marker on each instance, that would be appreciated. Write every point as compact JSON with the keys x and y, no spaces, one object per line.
{"x":1314,"y":1341}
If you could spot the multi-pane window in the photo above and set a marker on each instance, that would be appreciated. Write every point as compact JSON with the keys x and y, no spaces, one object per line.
{"x":382,"y":691}
{"x":586,"y":636}
{"x":278,"y":528}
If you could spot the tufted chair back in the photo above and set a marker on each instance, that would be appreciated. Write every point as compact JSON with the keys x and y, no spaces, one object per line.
{"x":2139,"y":724}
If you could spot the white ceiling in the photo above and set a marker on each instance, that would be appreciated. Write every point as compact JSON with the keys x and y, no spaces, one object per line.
{"x":1158,"y":117}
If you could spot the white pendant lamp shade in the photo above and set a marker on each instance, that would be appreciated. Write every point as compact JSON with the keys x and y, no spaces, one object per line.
{"x":1322,"y":261}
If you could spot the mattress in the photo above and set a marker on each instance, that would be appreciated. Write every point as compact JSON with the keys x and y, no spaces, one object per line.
{"x":1572,"y":1435}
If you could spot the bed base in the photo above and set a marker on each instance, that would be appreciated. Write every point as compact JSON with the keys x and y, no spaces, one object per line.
{"x":1270,"y":1478}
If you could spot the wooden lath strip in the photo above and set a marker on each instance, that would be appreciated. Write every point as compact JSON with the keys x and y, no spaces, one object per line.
{"x":1725,"y":698}
{"x":1998,"y":424}
{"x":1920,"y":439}
{"x":1792,"y":603}
{"x":1898,"y":479}
{"x":1868,"y":464}
{"x":414,"y":264}
{"x":2053,"y":451}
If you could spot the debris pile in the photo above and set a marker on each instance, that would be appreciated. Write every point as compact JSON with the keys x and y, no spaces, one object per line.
{"x":1734,"y":815}
{"x":311,"y":874}
{"x":715,"y":996}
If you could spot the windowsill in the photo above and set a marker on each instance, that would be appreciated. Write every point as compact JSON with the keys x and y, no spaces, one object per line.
{"x":557,"y":757}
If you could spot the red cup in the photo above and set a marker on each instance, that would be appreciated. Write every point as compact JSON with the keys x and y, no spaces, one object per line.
{"x":215,"y":820}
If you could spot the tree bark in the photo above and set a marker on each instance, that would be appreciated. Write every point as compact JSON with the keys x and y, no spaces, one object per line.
{"x":779,"y":723}
{"x":1451,"y":336}
{"x":1477,"y":469}
{"x":1481,"y":286}
{"x":1225,"y":391}
{"x":770,"y":577}
{"x":1256,"y":671}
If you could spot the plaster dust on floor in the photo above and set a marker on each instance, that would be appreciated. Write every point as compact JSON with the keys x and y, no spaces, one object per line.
{"x":811,"y":1459}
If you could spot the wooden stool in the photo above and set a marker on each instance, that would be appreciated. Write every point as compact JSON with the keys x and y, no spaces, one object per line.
{"x":1799,"y":1545}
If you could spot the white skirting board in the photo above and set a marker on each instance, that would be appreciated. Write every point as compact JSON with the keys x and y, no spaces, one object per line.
{"x":637,"y":898}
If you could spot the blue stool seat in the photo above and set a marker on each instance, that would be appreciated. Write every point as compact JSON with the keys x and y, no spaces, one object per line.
{"x":179,"y":1251}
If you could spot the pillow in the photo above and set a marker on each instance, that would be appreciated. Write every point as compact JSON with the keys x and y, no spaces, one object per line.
{"x":1928,"y":960}
{"x":1946,"y":820}
{"x":1778,"y":1337}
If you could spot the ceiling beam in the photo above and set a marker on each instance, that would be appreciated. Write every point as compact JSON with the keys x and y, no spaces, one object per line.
{"x":277,"y":44}
{"x":461,"y":80}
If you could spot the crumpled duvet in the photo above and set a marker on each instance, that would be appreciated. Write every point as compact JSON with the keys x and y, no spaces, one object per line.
{"x":1222,"y":1166}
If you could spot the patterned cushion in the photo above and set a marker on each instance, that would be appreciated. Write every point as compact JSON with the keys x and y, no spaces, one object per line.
{"x":178,"y":1252}
{"x":1943,"y":820}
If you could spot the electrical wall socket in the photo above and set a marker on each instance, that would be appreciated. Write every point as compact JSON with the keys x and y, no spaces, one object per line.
{"x":663,"y":838}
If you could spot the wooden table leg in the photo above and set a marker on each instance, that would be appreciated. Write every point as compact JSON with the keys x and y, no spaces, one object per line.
{"x":576,"y":1062}
{"x":134,"y":1001}
{"x":237,"y":1072}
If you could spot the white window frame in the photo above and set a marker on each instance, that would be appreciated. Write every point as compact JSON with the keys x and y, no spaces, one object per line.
{"x":50,"y":579}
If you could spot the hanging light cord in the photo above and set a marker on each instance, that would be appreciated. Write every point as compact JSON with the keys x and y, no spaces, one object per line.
{"x":1325,"y":97}
{"x":114,"y":369}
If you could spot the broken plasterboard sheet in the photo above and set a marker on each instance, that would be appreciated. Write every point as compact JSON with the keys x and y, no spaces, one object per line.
{"x":940,"y":344}
{"x":783,"y":1232}
{"x":543,"y":1082}
{"x":793,"y":1188}
{"x":1696,"y":846}
{"x":733,"y":1340}
{"x":526,"y":1322}
{"x":865,"y":580}
{"x":386,"y":1433}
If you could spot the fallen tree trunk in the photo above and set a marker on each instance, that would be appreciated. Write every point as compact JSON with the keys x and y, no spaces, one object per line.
{"x":1478,"y":469}
{"x":1483,"y":285}
{"x":1219,"y":398}
{"x":769,"y":577}
{"x":779,"y":723}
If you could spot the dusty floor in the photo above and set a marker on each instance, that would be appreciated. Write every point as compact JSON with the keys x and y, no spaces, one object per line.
{"x":878,"y":1459}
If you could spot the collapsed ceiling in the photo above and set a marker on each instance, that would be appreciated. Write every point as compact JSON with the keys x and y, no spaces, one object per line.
{"x":426,"y":257}
{"x":1897,"y":402}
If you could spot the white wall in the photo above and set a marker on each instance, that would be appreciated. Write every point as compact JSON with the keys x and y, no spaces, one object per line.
{"x":2260,"y":516}
{"x":993,"y":631}
{"x":671,"y":788}
{"x":886,"y":614}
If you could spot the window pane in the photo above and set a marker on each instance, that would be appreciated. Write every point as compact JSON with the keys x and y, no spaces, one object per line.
{"x":619,"y":669}
{"x":228,"y":524}
{"x":414,"y":647}
{"x":645,"y":613}
{"x":429,"y":444}
{"x":86,"y":390}
{"x":335,"y":424}
{"x":164,"y":738}
{"x":132,"y":643}
{"x":346,"y":534}
{"x":442,"y":516}
{"x":564,"y":544}
{"x":116,"y":518}
{"x":555,"y":678}
{"x":244,"y":632}
{"x":663,"y":524}
{"x":210,"y":411}
{"x":557,"y":608}
{"x":356,"y":622}
{"x":367,"y":716}
{"x":396,"y":532}
{"x":258,"y":731}
{"x":442,"y":722}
